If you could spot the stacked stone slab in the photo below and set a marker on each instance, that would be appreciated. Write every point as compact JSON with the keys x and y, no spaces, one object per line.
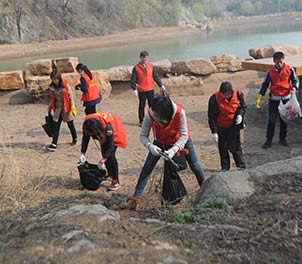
{"x":12,"y":80}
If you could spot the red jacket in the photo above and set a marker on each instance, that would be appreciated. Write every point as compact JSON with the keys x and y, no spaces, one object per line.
{"x":65,"y":97}
{"x":170,"y":134}
{"x":92,"y":92}
{"x":280,"y":81}
{"x":227,"y":109}
{"x":117,"y":126}
{"x":145,"y":79}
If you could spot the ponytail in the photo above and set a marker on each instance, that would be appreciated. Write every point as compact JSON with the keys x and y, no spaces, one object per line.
{"x":84,"y":68}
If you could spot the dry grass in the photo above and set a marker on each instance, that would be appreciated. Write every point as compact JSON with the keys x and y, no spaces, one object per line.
{"x":18,"y":185}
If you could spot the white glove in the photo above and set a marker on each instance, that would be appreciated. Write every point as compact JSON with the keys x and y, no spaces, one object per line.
{"x":82,"y":159}
{"x":163,"y":88}
{"x":135,"y":92}
{"x":101,"y":165}
{"x":172,"y":151}
{"x":215,"y":137}
{"x":155,"y":150}
{"x":293,"y":90}
{"x":238,"y":119}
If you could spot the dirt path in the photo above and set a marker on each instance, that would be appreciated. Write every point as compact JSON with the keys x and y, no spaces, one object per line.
{"x":35,"y":182}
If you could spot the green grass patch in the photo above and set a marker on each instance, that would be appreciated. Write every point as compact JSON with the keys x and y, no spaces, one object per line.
{"x":210,"y":209}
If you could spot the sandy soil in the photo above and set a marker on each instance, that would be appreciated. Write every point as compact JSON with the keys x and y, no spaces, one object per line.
{"x":36,"y":182}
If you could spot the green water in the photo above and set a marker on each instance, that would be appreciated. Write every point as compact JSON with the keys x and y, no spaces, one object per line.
{"x":231,"y":41}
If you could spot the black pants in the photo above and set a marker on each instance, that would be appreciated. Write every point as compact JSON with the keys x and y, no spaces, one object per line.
{"x":229,"y":140}
{"x":56,"y":130}
{"x":90,"y":109}
{"x":143,"y":96}
{"x":112,"y":166}
{"x":273,"y":114}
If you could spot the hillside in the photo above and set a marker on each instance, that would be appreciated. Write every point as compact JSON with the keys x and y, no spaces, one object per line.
{"x":32,"y":20}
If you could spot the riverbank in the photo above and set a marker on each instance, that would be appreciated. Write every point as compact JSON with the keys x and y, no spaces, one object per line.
{"x":8,"y":52}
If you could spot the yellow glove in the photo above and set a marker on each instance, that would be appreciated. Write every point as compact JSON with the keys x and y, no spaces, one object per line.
{"x":73,"y":110}
{"x":258,"y":101}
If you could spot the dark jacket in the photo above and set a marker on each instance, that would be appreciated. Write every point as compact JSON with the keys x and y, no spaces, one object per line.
{"x":213,"y":110}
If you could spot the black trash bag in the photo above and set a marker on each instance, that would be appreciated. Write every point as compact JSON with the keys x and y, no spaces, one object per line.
{"x":48,"y":126}
{"x":180,"y":160}
{"x":91,"y":176}
{"x":173,"y":188}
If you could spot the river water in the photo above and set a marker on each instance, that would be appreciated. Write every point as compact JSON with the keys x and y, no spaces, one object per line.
{"x":231,"y":41}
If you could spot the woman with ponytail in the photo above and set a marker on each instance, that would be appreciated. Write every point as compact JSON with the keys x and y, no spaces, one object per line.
{"x":88,"y":86}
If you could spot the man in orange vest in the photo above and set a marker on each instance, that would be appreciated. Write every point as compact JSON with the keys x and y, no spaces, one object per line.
{"x":226,"y":110}
{"x":282,"y":80}
{"x":110,"y":132}
{"x":142,"y":83}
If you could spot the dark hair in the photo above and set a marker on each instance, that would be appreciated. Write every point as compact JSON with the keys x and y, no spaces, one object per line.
{"x":144,"y":54}
{"x":92,"y":127}
{"x":162,"y":105}
{"x":56,"y":74}
{"x":84,"y":68}
{"x":225,"y":87}
{"x":278,"y":55}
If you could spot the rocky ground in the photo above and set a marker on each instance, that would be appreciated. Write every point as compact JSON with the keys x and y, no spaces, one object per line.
{"x":47,"y":217}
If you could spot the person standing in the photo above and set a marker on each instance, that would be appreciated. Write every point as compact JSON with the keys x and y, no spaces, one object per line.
{"x":62,"y":107}
{"x":171,"y":134}
{"x":91,"y":95}
{"x":110,"y":132}
{"x":142,"y":83}
{"x":282,"y":81}
{"x":226,"y":110}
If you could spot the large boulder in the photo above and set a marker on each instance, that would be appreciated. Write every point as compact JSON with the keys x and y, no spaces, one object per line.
{"x":38,"y":68}
{"x":12,"y":80}
{"x":237,"y":185}
{"x":179,"y":67}
{"x":200,"y":66}
{"x":119,"y":73}
{"x":163,"y":67}
{"x":226,"y":63}
{"x":183,"y":85}
{"x":66,"y":65}
{"x":269,"y":50}
{"x":38,"y":87}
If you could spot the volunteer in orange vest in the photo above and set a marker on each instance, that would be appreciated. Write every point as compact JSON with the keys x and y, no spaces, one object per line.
{"x":109,"y":131}
{"x":171,"y":134}
{"x":282,"y":80}
{"x":226,"y":110}
{"x":142,"y":83}
{"x":62,"y":108}
{"x":91,"y":96}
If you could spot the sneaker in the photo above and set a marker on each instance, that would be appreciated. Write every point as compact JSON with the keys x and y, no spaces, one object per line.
{"x":74,"y":142}
{"x":140,"y":124}
{"x":114,"y":186}
{"x":224,"y":169}
{"x":283,"y":143}
{"x":51,"y":147}
{"x":267,"y":144}
{"x":106,"y":178}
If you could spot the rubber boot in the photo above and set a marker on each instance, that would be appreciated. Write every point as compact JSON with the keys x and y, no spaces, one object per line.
{"x":132,"y":204}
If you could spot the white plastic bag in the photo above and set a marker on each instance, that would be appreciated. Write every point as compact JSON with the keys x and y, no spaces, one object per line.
{"x":291,"y":109}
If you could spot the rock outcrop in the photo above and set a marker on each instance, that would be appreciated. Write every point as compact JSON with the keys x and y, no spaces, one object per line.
{"x":227,"y":63}
{"x":268,"y":51}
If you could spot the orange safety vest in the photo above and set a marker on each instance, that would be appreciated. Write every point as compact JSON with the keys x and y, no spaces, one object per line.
{"x":65,"y":97}
{"x":227,"y":109}
{"x":280,"y":81}
{"x":170,"y":134}
{"x":92,"y":93}
{"x":117,"y":126}
{"x":145,"y":79}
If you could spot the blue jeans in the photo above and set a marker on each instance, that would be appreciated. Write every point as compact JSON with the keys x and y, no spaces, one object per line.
{"x":152,"y":160}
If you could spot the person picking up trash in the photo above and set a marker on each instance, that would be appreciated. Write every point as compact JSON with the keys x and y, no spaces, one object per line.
{"x":109,"y":131}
